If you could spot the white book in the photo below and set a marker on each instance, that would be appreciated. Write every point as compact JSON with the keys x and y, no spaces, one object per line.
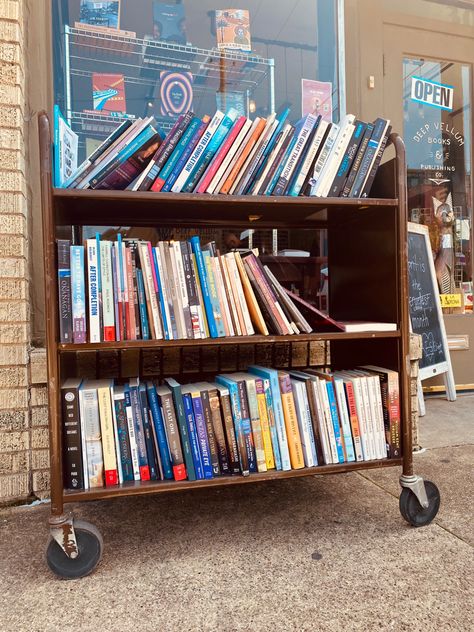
{"x":356,"y":440}
{"x":93,"y":293}
{"x":188,"y":168}
{"x":251,"y":163}
{"x":175,"y":292}
{"x":223,"y":298}
{"x":132,"y":437}
{"x":235,"y":188}
{"x":125,"y":296}
{"x":370,"y":417}
{"x":138,"y":181}
{"x":336,"y":155}
{"x":238,"y":288}
{"x":229,"y":157}
{"x":323,"y":431}
{"x":239,"y":152}
{"x":323,"y":156}
{"x":230,"y":297}
{"x":201,"y":308}
{"x":304,"y":423}
{"x":377,"y":413}
{"x":309,"y":158}
{"x":164,"y":292}
{"x":181,"y":287}
{"x":82,"y":416}
{"x":150,"y":294}
{"x":108,"y":309}
{"x":328,"y":419}
{"x":345,"y":420}
{"x":363,"y":326}
{"x":116,"y":435}
{"x":92,"y":433}
{"x":287,"y":129}
{"x":361,"y":395}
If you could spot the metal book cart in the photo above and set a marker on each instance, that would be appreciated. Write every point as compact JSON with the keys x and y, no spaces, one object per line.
{"x":367,"y":255}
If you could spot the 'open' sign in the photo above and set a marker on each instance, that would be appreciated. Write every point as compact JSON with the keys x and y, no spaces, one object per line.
{"x":438,"y":95}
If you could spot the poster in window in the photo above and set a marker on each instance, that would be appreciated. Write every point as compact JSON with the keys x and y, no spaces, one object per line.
{"x":233,"y":30}
{"x":169,"y":23}
{"x":316,"y":98}
{"x":103,"y":14}
{"x":108,"y":93}
{"x":176,"y":92}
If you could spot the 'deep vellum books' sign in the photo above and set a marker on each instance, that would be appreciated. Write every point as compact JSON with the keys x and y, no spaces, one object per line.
{"x":438,"y":95}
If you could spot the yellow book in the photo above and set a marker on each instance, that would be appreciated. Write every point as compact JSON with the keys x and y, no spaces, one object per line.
{"x":264,"y":422}
{"x":291,"y":421}
{"x":107,"y":432}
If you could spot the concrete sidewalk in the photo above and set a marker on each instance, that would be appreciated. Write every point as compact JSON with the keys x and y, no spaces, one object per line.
{"x":318,"y":554}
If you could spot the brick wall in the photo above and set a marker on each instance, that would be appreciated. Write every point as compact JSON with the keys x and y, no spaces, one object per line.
{"x":15,"y":439}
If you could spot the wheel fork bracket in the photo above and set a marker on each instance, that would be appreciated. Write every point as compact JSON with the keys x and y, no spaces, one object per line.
{"x":417,"y":486}
{"x":62,"y":530}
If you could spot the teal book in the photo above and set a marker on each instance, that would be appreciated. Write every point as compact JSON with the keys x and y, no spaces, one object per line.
{"x":242,"y":427}
{"x":183,"y":430}
{"x":196,"y":247}
{"x":211,"y":280}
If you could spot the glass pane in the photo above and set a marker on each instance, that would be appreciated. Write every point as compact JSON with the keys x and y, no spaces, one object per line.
{"x":437,"y":130}
{"x":134,"y":59}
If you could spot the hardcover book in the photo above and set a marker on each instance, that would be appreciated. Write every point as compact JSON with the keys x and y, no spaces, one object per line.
{"x":233,"y":29}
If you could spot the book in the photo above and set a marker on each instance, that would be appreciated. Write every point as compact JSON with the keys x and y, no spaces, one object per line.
{"x":136,"y":407}
{"x":273,"y":161}
{"x":193,"y":435}
{"x":204,"y":285}
{"x":241,"y":424}
{"x":390,"y":392}
{"x":254,"y":416}
{"x":160,"y":431}
{"x":193,"y":391}
{"x":73,"y":467}
{"x":132,"y":434}
{"x":65,"y":149}
{"x":230,"y":435}
{"x":106,"y":276}
{"x":233,"y":29}
{"x":175,"y":388}
{"x":303,"y":415}
{"x":328,"y":382}
{"x":153,"y":456}
{"x":250,"y":140}
{"x":315,"y":145}
{"x":291,"y":421}
{"x":107,"y":432}
{"x":227,"y":162}
{"x":272,"y":423}
{"x":64,"y":290}
{"x":354,"y":170}
{"x":323,"y":157}
{"x":375,"y":165}
{"x":108,"y":92}
{"x":165,"y":400}
{"x":218,"y":427}
{"x":355,"y":326}
{"x":208,"y":421}
{"x":78,"y":295}
{"x":353,"y":418}
{"x":264,"y":422}
{"x":169,"y":23}
{"x":90,"y":428}
{"x":124,"y":450}
{"x":381,"y":126}
{"x":186,"y":153}
{"x":176,"y":92}
{"x":250,"y":165}
{"x":344,"y":168}
{"x":160,"y":157}
{"x":103,"y":14}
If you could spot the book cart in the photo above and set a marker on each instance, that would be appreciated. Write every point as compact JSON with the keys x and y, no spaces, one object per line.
{"x":367,"y":254}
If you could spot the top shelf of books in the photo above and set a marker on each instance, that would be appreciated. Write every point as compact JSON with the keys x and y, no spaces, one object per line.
{"x":134,"y":208}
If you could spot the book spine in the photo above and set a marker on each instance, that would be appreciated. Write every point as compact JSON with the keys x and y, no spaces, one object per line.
{"x":189,"y":127}
{"x":188,"y":150}
{"x":145,"y":331}
{"x":345,"y":420}
{"x":393,"y":409}
{"x":173,"y":282}
{"x":354,"y":170}
{"x":139,"y":433}
{"x":246,"y":425}
{"x":230,"y":295}
{"x":211,"y":149}
{"x":294,"y":155}
{"x":182,"y":288}
{"x":291,"y":422}
{"x":107,"y":436}
{"x":194,"y":160}
{"x":78,"y":292}
{"x":147,"y":431}
{"x":108,"y":310}
{"x":116,"y":292}
{"x":92,"y":436}
{"x":253,"y":160}
{"x":131,"y":294}
{"x":193,"y":436}
{"x":380,"y":127}
{"x":321,"y":422}
{"x":335,"y":421}
{"x":134,"y":255}
{"x":345,"y":166}
{"x":160,"y":431}
{"x":122,"y":294}
{"x":126,"y":297}
{"x":256,"y":425}
{"x":310,"y":158}
{"x":268,"y":294}
{"x":219,"y":435}
{"x":165,"y":273}
{"x":293,"y":136}
{"x":73,"y":472}
{"x":202,"y":434}
{"x":272,"y":423}
{"x":373,"y":172}
{"x":239,"y":428}
{"x":179,"y":469}
{"x":370,"y":423}
{"x":118,"y":454}
{"x":191,"y":290}
{"x":64,"y":290}
{"x":249,"y":143}
{"x":214,"y":454}
{"x":203,"y":324}
{"x":230,"y":434}
{"x":323,"y":156}
{"x":151,"y":296}
{"x":380,"y":416}
{"x":301,"y":416}
{"x":160,"y":291}
{"x":156,"y":164}
{"x":276,"y":160}
{"x":223,"y":299}
{"x":183,"y":428}
{"x":241,"y":279}
{"x":314,"y":419}
{"x":132,"y":435}
{"x":354,"y":421}
{"x":237,"y":291}
{"x":225,"y":166}
{"x":335,"y":157}
{"x":204,"y":287}
{"x":265,"y":426}
{"x":123,"y":438}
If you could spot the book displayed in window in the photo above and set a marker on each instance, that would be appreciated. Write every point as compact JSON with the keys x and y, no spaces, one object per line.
{"x":233,"y":29}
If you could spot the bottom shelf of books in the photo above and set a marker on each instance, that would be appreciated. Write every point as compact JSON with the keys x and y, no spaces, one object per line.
{"x":137,"y":436}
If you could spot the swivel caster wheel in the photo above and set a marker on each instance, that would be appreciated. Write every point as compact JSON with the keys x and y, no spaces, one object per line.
{"x":90,"y":546}
{"x":411,"y":509}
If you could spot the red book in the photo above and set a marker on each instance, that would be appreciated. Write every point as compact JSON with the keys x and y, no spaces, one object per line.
{"x":221,"y":154}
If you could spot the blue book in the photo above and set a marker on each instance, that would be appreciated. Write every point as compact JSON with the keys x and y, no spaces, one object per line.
{"x":183,"y":428}
{"x":161,"y":298}
{"x":132,"y":389}
{"x":193,"y":437}
{"x":212,"y":147}
{"x":122,"y":432}
{"x":196,"y":247}
{"x":272,"y":376}
{"x":201,"y":430}
{"x":123,"y":155}
{"x":345,"y":420}
{"x":271,"y":420}
{"x":278,"y":171}
{"x":213,"y":295}
{"x":165,"y":173}
{"x":183,"y":159}
{"x":242,"y":429}
{"x":142,"y":306}
{"x":78,"y":295}
{"x":335,"y":421}
{"x":159,"y":431}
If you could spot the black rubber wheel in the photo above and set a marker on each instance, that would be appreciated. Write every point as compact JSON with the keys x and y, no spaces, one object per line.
{"x":411,"y":509}
{"x":90,"y":545}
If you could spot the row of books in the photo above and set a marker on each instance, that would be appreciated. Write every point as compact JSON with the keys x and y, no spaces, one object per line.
{"x":242,"y":423}
{"x":231,"y":154}
{"x":131,"y":290}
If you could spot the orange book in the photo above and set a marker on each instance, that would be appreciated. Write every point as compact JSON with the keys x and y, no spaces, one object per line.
{"x":259,"y":124}
{"x":291,"y":421}
{"x":253,"y":306}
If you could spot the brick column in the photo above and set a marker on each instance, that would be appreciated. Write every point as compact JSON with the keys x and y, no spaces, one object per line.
{"x":15,"y":475}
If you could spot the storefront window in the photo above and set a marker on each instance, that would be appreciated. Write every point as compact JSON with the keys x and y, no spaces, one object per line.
{"x":437,"y":129}
{"x":137,"y":58}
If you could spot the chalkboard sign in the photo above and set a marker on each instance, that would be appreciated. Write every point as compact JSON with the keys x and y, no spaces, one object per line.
{"x":424,"y":304}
